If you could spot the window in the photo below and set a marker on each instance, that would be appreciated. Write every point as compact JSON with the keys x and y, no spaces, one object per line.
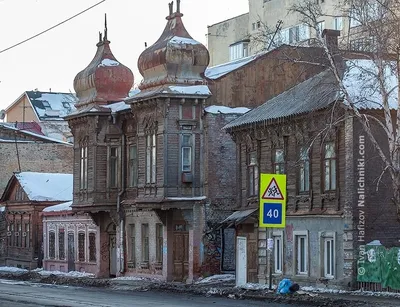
{"x":258,"y":24}
{"x":52,"y":244}
{"x":254,"y":25}
{"x":159,"y":242}
{"x":294,"y":34}
{"x":329,"y":256}
{"x":132,"y":243}
{"x":321,"y":27}
{"x":186,"y":153}
{"x":92,"y":247}
{"x":113,"y":167}
{"x":239,"y":50}
{"x":252,"y":173}
{"x":18,"y":239}
{"x":83,"y":167}
{"x":145,"y":242}
{"x":61,"y":244}
{"x":81,"y":246}
{"x":278,"y":252}
{"x":338,"y":23}
{"x":27,"y":235}
{"x":330,"y":167}
{"x":151,"y":158}
{"x":133,"y":166}
{"x":279,"y":161}
{"x":301,"y":254}
{"x":304,"y":170}
{"x":19,"y":194}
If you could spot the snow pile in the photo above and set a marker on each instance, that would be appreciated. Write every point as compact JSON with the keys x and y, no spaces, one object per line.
{"x":61,"y":207}
{"x":46,"y":186}
{"x":118,"y":106}
{"x":59,"y":273}
{"x":253,"y":286}
{"x":323,"y":290}
{"x":108,"y":63}
{"x":226,"y":110}
{"x":372,"y":293}
{"x":217,"y":279}
{"x":134,"y":278}
{"x":12,"y":269}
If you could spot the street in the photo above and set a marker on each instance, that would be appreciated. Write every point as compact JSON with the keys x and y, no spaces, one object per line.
{"x":25,"y":294}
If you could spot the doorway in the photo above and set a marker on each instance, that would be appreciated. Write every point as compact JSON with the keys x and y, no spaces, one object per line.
{"x":181,"y":252}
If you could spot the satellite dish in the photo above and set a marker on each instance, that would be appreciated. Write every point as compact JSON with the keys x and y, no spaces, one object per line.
{"x":2,"y":114}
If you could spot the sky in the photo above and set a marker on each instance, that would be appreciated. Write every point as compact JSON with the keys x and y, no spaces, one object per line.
{"x":52,"y":60}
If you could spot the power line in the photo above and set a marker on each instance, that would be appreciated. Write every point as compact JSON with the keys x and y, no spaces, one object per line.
{"x":55,"y":26}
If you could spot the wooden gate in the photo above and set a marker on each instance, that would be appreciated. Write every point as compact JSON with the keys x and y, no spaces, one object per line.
{"x":71,"y":252}
{"x":181,"y":252}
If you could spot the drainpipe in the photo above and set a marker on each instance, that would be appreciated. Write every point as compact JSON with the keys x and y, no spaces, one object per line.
{"x":120,"y":193}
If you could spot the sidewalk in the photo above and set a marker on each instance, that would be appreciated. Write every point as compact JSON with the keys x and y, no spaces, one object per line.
{"x":218,"y":285}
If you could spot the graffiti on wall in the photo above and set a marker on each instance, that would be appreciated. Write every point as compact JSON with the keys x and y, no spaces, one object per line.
{"x":212,"y":251}
{"x":377,"y":264}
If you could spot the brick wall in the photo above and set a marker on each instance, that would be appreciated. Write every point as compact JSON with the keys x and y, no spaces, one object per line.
{"x":35,"y":157}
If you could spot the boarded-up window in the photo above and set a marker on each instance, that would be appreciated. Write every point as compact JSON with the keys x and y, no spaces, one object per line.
{"x":132,"y":243}
{"x":52,"y":244}
{"x":27,"y":235}
{"x":81,"y":247}
{"x":159,"y":242}
{"x":92,"y":247}
{"x":61,"y":244}
{"x":145,"y":242}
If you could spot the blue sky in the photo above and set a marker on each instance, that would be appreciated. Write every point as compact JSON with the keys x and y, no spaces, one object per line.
{"x":53,"y":59}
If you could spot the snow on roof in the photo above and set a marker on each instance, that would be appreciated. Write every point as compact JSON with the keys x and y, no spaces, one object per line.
{"x":118,"y":106}
{"x":189,"y":90}
{"x":46,"y":186}
{"x":362,"y":84}
{"x":226,"y":110}
{"x":108,"y":62}
{"x":52,"y":106}
{"x":39,"y":136}
{"x":218,"y":71}
{"x":183,"y":40}
{"x":61,"y":207}
{"x":2,"y":208}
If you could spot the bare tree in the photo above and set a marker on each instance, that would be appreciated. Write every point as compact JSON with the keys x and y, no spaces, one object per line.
{"x":376,"y":23}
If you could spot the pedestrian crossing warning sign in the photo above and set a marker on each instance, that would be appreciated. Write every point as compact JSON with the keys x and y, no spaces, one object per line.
{"x":273,"y":192}
{"x":272,"y":195}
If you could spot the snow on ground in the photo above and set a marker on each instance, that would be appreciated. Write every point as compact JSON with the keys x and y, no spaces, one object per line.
{"x":252,"y":286}
{"x":59,"y":273}
{"x":217,"y":278}
{"x":12,"y":269}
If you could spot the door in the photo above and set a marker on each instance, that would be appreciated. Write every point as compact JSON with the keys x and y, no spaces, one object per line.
{"x":181,"y":252}
{"x":71,"y":252}
{"x":113,"y":255}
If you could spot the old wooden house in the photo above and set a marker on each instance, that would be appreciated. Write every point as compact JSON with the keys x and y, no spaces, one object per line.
{"x":70,"y":240}
{"x":24,"y":198}
{"x":330,"y":164}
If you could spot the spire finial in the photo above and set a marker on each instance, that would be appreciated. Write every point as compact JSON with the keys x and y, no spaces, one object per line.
{"x":178,"y":6}
{"x":100,"y":37}
{"x":105,"y":26}
{"x":171,"y":8}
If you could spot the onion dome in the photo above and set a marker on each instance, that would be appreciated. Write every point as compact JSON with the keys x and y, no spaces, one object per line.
{"x":104,"y":80}
{"x":176,"y":58}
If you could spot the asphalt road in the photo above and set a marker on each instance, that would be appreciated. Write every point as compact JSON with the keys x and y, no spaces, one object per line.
{"x":25,"y":294}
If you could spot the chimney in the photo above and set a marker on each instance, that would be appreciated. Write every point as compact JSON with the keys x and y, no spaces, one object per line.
{"x":331,"y":39}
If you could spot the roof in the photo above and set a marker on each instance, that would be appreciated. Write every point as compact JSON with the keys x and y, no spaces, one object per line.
{"x":321,"y":90}
{"x":297,"y":100}
{"x":44,"y":186}
{"x":238,"y":217}
{"x":50,"y":105}
{"x":39,"y":137}
{"x":60,"y":207}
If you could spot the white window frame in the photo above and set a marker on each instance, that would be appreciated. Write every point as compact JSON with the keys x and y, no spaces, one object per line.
{"x":277,"y":236}
{"x":299,"y":235}
{"x":328,"y":270}
{"x":238,"y":51}
{"x":186,"y":151}
{"x":338,"y":23}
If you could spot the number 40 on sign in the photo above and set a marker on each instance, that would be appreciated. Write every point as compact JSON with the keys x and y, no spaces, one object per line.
{"x":272,"y":200}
